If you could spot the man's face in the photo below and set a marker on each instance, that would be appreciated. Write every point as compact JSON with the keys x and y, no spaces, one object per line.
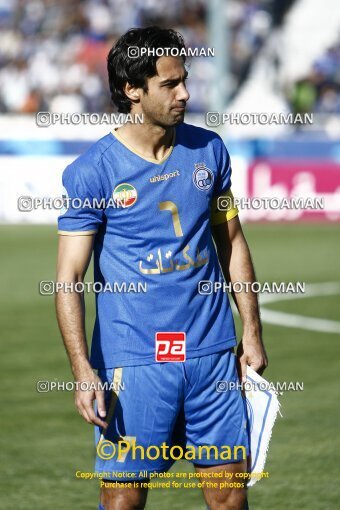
{"x":164,"y":102}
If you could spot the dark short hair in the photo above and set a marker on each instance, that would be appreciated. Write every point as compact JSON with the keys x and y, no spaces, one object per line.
{"x":122,"y":68}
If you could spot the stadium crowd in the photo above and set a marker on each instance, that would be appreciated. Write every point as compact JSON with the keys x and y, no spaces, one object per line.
{"x":319,"y":91}
{"x":53,"y":52}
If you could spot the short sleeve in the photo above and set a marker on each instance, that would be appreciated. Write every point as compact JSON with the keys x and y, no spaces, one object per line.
{"x":223,"y":180}
{"x":83,"y":193}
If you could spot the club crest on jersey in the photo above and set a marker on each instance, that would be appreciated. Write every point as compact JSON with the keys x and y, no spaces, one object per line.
{"x":203,"y":177}
{"x":124,"y":195}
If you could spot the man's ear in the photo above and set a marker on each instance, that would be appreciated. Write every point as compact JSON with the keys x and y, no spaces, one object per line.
{"x":133,"y":93}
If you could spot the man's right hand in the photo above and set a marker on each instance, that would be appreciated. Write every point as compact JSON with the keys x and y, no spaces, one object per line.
{"x":74,"y":255}
{"x":84,"y":399}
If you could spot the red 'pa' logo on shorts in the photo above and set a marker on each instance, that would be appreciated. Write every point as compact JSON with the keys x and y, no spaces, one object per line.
{"x":170,"y":346}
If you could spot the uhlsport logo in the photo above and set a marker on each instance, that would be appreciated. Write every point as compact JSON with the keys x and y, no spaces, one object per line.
{"x":203,"y":177}
{"x":165,"y":177}
{"x":124,"y":195}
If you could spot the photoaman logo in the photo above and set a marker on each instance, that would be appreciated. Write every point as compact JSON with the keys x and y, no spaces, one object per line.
{"x":124,"y":195}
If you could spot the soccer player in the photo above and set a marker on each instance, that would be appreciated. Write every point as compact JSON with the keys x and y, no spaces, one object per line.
{"x":166,"y":349}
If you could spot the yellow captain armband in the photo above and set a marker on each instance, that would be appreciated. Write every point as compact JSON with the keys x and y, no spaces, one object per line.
{"x":223,"y":208}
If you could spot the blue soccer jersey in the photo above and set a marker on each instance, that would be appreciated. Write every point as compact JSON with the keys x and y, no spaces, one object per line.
{"x":153,"y":233}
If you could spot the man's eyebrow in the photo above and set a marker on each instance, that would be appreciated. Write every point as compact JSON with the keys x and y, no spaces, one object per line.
{"x":174,"y":80}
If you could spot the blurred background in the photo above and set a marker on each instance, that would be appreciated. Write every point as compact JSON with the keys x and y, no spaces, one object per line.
{"x":271,"y":56}
{"x":53,"y":52}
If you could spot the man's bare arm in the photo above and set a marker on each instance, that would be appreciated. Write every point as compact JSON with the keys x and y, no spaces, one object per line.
{"x":237,"y":266}
{"x":74,"y":255}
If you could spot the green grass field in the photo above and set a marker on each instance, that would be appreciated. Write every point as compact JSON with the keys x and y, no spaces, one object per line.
{"x":44,"y":441}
